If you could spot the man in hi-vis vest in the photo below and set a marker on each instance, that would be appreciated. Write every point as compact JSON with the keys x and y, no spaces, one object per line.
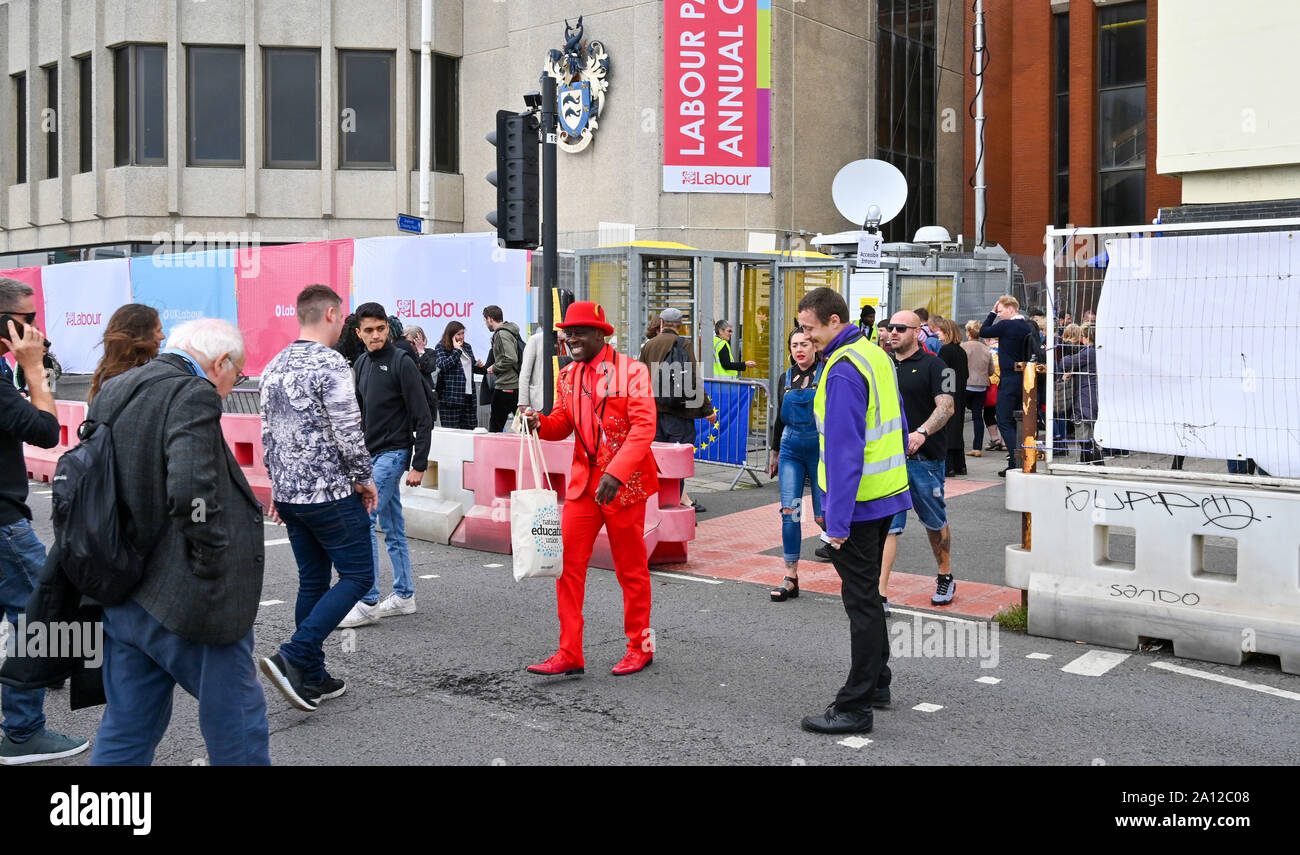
{"x":863,"y":471}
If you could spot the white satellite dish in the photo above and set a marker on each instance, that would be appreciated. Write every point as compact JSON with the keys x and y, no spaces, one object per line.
{"x":862,"y":184}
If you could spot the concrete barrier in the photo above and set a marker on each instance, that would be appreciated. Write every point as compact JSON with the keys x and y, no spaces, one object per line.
{"x":1179,"y":581}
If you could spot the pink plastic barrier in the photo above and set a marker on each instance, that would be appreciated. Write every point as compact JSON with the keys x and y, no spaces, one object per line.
{"x":493,"y":474}
{"x":41,"y":461}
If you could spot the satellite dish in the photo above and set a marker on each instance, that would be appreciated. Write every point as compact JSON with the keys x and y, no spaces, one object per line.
{"x":862,"y":184}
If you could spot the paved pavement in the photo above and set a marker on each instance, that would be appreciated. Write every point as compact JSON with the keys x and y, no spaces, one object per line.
{"x":734,"y":673}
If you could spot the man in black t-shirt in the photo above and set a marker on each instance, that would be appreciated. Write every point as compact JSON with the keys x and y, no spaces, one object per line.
{"x":928,"y":389}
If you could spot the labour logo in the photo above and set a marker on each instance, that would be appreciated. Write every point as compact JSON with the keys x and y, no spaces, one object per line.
{"x":580,"y":70}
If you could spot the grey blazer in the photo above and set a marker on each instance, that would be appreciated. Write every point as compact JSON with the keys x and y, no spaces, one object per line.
{"x":193,"y":515}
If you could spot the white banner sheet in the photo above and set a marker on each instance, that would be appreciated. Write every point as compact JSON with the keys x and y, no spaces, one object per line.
{"x":80,"y":297}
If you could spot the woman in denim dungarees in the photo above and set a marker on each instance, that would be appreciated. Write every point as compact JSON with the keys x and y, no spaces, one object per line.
{"x":795,"y":433}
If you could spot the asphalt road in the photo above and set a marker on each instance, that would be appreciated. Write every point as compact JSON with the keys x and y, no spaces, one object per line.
{"x":733,"y":675}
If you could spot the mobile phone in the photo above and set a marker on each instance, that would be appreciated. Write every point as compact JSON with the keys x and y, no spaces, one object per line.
{"x":5,"y":320}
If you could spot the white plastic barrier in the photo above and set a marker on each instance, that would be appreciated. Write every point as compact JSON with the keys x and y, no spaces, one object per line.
{"x":432,"y":513}
{"x":1080,"y":589}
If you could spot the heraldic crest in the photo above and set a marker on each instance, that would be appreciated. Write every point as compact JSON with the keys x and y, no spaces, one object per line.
{"x":580,"y":71}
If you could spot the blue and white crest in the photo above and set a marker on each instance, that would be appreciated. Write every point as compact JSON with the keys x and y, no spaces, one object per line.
{"x":580,"y":71}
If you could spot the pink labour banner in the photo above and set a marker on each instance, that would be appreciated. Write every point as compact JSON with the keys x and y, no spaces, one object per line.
{"x":717,"y":96}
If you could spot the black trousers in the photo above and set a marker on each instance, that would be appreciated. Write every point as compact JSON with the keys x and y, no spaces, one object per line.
{"x":670,"y":428}
{"x":858,"y":563}
{"x":504,"y":404}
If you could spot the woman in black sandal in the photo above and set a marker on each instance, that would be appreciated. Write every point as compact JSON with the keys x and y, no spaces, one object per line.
{"x":794,"y":433}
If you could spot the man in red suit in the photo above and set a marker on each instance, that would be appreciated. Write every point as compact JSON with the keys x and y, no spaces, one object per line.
{"x":604,"y":399}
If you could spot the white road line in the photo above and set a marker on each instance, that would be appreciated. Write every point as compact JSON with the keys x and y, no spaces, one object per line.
{"x":1039,"y":656}
{"x":927,"y":707}
{"x":992,"y":681}
{"x":855,"y":742}
{"x":279,"y":542}
{"x":271,"y":603}
{"x":1228,"y":681}
{"x":895,"y":610}
{"x":271,"y":524}
{"x":430,"y":576}
{"x":494,"y":565}
{"x":41,"y":492}
{"x":685,"y":578}
{"x":1094,"y":663}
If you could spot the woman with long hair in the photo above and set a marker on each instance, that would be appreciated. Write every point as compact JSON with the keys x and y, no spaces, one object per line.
{"x":794,"y":436}
{"x":132,"y":338}
{"x":456,"y":370}
{"x":349,"y":344}
{"x":980,"y":367}
{"x":954,"y":357}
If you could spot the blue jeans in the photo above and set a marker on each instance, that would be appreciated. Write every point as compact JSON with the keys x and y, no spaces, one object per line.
{"x":22,"y":556}
{"x":797,"y":461}
{"x":390,"y":466}
{"x":925,"y":483}
{"x":143,"y":662}
{"x":322,"y":534}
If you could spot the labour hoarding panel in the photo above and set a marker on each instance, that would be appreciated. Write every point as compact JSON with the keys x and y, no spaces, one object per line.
{"x":432,"y":280}
{"x":717,"y":96}
{"x":268,"y":280}
{"x":186,"y":286}
{"x":80,"y":297}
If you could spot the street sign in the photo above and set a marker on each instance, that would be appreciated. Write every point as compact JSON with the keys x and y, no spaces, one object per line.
{"x":868,"y":250}
{"x":407,"y":223}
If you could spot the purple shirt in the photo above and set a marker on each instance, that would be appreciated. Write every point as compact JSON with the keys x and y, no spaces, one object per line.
{"x":845,"y":433}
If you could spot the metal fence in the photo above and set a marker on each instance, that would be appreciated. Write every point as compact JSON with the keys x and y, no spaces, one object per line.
{"x":1146,"y":377}
{"x":739,"y":438}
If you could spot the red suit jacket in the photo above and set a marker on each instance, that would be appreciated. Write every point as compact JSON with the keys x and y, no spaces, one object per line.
{"x":608,"y":403}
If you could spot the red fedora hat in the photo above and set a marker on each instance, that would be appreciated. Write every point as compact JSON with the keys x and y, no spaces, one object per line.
{"x":585,"y":313}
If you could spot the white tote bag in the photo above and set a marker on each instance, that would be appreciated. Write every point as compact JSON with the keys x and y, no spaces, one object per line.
{"x":535,"y":518}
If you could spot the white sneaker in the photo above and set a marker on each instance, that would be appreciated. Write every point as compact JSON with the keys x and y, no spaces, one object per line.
{"x":362,"y":614}
{"x":394,"y":605}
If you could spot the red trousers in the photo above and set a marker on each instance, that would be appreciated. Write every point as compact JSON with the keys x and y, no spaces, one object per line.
{"x":579,"y":526}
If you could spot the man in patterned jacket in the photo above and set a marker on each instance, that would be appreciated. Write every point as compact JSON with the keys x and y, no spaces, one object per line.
{"x":322,"y":488}
{"x":606,"y":402}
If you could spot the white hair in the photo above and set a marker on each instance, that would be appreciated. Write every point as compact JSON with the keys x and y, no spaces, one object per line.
{"x":208,"y":338}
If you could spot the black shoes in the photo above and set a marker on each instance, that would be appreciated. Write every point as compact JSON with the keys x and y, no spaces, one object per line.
{"x":880,"y":698}
{"x":330,"y":687}
{"x":781,"y":594}
{"x":839,"y":721}
{"x":698,"y":508}
{"x":288,"y":679}
{"x":823,"y":552}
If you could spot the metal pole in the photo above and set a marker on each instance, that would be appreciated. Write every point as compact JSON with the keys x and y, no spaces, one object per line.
{"x":980,"y":186}
{"x":426,"y":100}
{"x":550,"y":259}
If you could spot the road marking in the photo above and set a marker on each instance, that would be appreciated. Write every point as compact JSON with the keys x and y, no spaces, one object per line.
{"x":895,"y":610}
{"x":1229,"y":681}
{"x":992,"y":681}
{"x":927,"y":707}
{"x":271,"y":603}
{"x":494,"y":565}
{"x":279,"y":542}
{"x":430,"y":576}
{"x":41,"y":492}
{"x":1094,"y":663}
{"x":685,"y":578}
{"x":855,"y":742}
{"x":1039,"y":656}
{"x":271,"y":524}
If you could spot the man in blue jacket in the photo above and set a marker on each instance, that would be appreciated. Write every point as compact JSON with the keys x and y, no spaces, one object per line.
{"x":22,"y":555}
{"x":1005,"y":324}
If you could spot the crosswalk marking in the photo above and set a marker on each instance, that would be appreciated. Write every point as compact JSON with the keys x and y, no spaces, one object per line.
{"x":1039,"y":656}
{"x":992,"y":681}
{"x":927,"y":707}
{"x":855,"y":742}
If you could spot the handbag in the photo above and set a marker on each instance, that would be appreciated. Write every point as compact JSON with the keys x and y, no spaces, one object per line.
{"x":535,"y":538}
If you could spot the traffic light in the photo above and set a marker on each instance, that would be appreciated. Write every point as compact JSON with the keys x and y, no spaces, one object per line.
{"x":516,"y":217}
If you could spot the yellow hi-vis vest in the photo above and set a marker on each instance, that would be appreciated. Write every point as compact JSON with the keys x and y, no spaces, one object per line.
{"x":718,"y":370}
{"x":884,"y":459}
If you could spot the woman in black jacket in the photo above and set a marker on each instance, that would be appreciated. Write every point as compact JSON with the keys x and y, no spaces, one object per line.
{"x":456,"y":370}
{"x":954,"y":357}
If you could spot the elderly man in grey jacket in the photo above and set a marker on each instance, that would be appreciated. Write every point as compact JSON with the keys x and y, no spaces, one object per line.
{"x":190,"y":621}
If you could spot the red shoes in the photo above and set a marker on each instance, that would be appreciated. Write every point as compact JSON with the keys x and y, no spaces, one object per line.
{"x":634,"y":661}
{"x":557,"y":664}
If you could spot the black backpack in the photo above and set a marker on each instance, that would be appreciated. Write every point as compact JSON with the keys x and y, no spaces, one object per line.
{"x":91,"y":527}
{"x":519,"y":345}
{"x":675,"y":383}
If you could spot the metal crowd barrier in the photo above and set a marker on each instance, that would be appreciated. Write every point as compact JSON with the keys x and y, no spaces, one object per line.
{"x":739,"y":438}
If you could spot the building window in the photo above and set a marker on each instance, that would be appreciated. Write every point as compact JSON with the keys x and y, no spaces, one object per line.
{"x":215,"y":105}
{"x":906,"y":107}
{"x":444,"y":111}
{"x":85,"y":115}
{"x":366,"y":109}
{"x":50,"y":121}
{"x":1061,"y":126}
{"x":20,"y":128}
{"x":292,"y":108}
{"x":1121,"y":114}
{"x":140,"y":105}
